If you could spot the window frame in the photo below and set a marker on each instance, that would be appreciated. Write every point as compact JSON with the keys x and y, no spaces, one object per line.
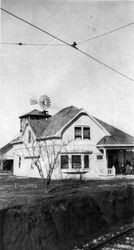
{"x":99,"y":159}
{"x":77,"y":155}
{"x":29,"y":136}
{"x":64,"y":155}
{"x":82,"y":133}
{"x":76,"y":137}
{"x":88,"y":161}
{"x":81,"y":164}
{"x":19,"y":163}
{"x":86,"y":127}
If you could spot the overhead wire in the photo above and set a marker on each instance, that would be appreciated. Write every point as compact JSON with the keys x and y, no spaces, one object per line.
{"x":44,"y":31}
{"x":70,"y":45}
{"x":106,"y":33}
{"x":30,"y":44}
{"x":107,"y":66}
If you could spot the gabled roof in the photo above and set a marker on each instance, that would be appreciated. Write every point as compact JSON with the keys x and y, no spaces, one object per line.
{"x":117,"y":135}
{"x":62,"y":118}
{"x":51,"y":127}
{"x":38,"y":126}
{"x":8,"y":146}
{"x":59,"y":120}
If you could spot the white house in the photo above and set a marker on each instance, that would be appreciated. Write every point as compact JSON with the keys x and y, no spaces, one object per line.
{"x":74,"y":140}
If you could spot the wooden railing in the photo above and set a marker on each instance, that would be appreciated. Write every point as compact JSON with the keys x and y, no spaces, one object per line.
{"x":107,"y":172}
{"x":111,"y":171}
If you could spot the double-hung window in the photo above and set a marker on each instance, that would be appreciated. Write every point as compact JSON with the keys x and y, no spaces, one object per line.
{"x":78,"y":133}
{"x":64,"y":161}
{"x":82,"y":132}
{"x":86,"y":161}
{"x":86,"y":133}
{"x":76,"y":161}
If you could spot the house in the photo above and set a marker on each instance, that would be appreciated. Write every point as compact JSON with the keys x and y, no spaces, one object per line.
{"x":76,"y":142}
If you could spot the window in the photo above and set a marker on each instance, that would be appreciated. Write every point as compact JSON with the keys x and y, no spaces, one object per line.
{"x":99,"y":157}
{"x":78,"y":134}
{"x":82,"y":132}
{"x":86,"y":133}
{"x":86,"y":161}
{"x":29,"y":136}
{"x":64,"y":161}
{"x":19,"y":162}
{"x":76,"y":161}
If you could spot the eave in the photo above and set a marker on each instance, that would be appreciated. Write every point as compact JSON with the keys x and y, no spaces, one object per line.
{"x":58,"y":135}
{"x":115,"y":145}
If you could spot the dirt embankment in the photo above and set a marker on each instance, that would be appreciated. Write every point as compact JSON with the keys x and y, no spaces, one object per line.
{"x":62,"y":223}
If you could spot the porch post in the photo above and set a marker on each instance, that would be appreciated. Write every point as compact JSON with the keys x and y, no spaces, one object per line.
{"x":124,"y":153}
{"x":105,"y":160}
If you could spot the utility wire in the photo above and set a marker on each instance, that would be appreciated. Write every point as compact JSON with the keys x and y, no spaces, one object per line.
{"x":106,"y":33}
{"x":102,"y":63}
{"x":31,"y":44}
{"x":23,"y":20}
{"x":70,"y":45}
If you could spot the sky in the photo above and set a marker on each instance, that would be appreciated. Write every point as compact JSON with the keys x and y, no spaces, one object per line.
{"x":61,"y":72}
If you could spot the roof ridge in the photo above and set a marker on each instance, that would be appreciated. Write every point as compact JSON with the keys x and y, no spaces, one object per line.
{"x":59,"y":120}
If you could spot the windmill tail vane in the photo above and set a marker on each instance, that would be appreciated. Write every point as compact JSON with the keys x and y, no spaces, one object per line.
{"x":33,"y":102}
{"x":44,"y":102}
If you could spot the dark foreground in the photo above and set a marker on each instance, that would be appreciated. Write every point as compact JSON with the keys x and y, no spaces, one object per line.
{"x":68,"y":216}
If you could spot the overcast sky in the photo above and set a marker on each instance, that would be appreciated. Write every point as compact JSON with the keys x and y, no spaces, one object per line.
{"x":68,"y":77}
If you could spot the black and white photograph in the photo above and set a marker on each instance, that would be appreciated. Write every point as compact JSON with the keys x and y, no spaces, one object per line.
{"x":66,"y":125}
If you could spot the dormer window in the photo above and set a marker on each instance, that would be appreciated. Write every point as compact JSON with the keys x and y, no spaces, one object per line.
{"x":29,"y":136}
{"x":82,"y":132}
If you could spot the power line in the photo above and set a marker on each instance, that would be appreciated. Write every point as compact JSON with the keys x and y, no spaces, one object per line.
{"x":31,"y":44}
{"x":23,"y":20}
{"x":70,"y":45}
{"x":102,"y":63}
{"x":106,"y":33}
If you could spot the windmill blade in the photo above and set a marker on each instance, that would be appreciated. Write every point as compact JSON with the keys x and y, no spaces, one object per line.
{"x":44,"y":102}
{"x":33,"y":102}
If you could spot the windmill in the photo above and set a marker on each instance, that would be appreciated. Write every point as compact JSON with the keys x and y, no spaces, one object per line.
{"x":44,"y":102}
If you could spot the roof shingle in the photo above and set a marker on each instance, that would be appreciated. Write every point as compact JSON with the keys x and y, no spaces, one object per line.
{"x":39,"y":126}
{"x":117,"y":136}
{"x":59,"y":120}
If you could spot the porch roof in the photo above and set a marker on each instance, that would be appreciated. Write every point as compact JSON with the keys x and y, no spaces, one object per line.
{"x":117,"y":138}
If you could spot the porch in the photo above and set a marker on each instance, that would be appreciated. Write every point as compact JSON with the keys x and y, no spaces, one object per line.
{"x":121,"y":158}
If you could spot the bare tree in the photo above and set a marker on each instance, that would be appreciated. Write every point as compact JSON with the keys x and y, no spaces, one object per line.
{"x":45,"y":156}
